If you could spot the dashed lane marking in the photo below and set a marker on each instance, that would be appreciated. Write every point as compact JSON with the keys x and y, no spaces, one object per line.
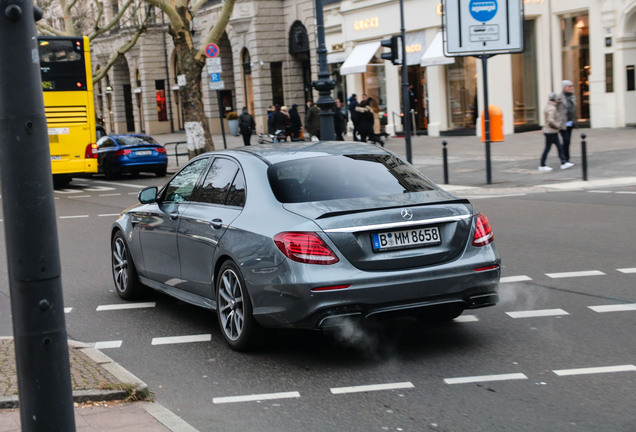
{"x":537,"y":313}
{"x":109,"y":194}
{"x":509,"y":279}
{"x":371,"y":387}
{"x":108,"y":344}
{"x":181,"y":339}
{"x":255,"y":397}
{"x":74,"y":217}
{"x":595,"y":370}
{"x":627,"y":270}
{"x":575,"y":274}
{"x":80,"y":196}
{"x":466,"y":318}
{"x":121,"y":306}
{"x":485,"y":378}
{"x":68,"y":310}
{"x":614,"y":308}
{"x":108,"y":214}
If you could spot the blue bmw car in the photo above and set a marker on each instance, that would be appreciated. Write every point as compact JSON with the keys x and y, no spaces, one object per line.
{"x":130,"y":153}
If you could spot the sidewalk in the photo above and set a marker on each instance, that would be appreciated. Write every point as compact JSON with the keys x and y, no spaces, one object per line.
{"x":611,"y":160}
{"x":103,"y":393}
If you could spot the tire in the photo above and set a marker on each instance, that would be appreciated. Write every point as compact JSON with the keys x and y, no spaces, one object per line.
{"x":125,"y":276}
{"x":110,"y":174}
{"x":234,"y":309}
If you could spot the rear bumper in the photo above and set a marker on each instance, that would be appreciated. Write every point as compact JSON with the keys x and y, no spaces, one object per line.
{"x":376,"y":295}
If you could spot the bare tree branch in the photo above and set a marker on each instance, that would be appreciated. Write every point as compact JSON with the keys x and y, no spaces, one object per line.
{"x":101,"y":73}
{"x":51,"y":30}
{"x":111,"y":23}
{"x":219,"y":27}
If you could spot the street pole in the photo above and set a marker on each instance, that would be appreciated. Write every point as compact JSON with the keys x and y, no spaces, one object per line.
{"x":406,"y":101}
{"x":33,"y":260}
{"x":324,"y":85}
{"x":484,"y":64}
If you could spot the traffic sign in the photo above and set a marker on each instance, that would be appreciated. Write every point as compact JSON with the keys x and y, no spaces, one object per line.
{"x":217,"y":85}
{"x":212,"y":50}
{"x":215,"y":77}
{"x":476,"y":27}
{"x":214,"y":64}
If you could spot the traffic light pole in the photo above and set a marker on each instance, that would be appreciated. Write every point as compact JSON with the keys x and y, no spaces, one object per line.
{"x":324,"y":85}
{"x":41,"y":348}
{"x":406,"y":100}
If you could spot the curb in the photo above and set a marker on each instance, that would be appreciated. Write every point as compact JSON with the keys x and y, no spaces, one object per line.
{"x":79,"y":396}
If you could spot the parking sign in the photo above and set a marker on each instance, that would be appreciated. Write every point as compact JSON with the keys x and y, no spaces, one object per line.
{"x":475,"y":27}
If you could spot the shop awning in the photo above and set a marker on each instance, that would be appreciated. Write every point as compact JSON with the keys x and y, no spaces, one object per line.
{"x":434,"y":54}
{"x":359,"y":58}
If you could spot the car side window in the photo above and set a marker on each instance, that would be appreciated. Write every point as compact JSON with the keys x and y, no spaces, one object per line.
{"x":220,"y":186}
{"x":107,"y":143}
{"x":181,"y":186}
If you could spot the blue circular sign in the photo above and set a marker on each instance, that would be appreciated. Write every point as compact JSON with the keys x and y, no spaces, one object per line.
{"x":483,"y":10}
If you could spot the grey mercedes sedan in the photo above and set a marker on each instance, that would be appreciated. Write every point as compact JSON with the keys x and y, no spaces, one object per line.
{"x":305,"y":235}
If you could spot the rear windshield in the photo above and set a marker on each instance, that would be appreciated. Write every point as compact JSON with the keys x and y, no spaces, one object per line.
{"x":129,"y":141}
{"x":338,"y":177}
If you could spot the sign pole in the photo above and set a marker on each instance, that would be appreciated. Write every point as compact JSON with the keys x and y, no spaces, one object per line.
{"x":486,"y":131}
{"x":218,"y":98}
{"x":406,"y":100}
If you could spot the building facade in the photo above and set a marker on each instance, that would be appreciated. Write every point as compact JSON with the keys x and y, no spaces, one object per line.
{"x":268,"y":55}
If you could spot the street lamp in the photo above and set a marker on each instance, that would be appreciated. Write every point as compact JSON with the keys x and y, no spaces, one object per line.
{"x":324,"y":85}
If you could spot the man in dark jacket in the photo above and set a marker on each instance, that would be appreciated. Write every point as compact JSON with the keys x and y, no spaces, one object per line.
{"x":296,"y":124}
{"x":339,"y":121}
{"x":246,"y":126}
{"x":279,"y":122}
{"x":312,"y":119}
{"x":353,"y":103}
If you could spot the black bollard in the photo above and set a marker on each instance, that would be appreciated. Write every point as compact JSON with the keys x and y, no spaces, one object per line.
{"x":584,"y":156}
{"x":445,"y":157}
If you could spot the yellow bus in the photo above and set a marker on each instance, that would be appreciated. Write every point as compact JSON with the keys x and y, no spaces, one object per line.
{"x":67,"y":84}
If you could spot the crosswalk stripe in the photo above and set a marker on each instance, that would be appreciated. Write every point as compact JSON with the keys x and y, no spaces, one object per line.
{"x":614,"y":308}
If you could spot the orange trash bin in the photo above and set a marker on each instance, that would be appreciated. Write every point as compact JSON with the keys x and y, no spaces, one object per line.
{"x":496,"y":124}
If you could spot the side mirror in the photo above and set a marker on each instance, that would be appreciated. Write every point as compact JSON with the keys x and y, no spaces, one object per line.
{"x":148,"y":195}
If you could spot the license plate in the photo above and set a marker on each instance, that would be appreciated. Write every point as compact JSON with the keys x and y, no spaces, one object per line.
{"x":143,"y":152}
{"x":405,"y":239}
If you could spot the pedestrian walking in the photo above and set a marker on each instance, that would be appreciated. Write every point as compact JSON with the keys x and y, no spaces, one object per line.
{"x":312,"y":119}
{"x":247,"y":126}
{"x":279,"y":123}
{"x":551,"y":132}
{"x":365,"y":121}
{"x":377,"y":125}
{"x":353,"y":115}
{"x":339,"y":121}
{"x":567,"y":110}
{"x":295,"y":122}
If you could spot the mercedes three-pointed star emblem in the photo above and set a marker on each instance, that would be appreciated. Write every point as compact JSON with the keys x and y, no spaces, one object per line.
{"x":407,"y":214}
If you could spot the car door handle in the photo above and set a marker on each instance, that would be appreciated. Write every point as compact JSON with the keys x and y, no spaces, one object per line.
{"x":216,"y":223}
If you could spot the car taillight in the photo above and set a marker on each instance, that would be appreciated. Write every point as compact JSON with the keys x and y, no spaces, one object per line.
{"x":91,"y":151}
{"x":160,"y":150}
{"x":483,"y":231}
{"x":305,"y":247}
{"x":123,"y":152}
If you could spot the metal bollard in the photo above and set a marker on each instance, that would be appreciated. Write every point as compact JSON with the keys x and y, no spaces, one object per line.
{"x":445,"y":157}
{"x":584,"y":156}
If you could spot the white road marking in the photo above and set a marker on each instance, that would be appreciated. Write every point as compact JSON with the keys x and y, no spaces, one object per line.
{"x":108,"y":214}
{"x":181,"y":339}
{"x":108,"y":344}
{"x":485,"y":378}
{"x":121,"y":306}
{"x":98,"y":188}
{"x":80,"y":196}
{"x":466,"y":318}
{"x":575,"y":274}
{"x":110,"y":194}
{"x":600,"y":191}
{"x":537,"y":313}
{"x":135,"y":186}
{"x":520,"y":278}
{"x":68,"y":310}
{"x":595,"y":370}
{"x":74,"y":217}
{"x":626,"y":192}
{"x":614,"y":308}
{"x":255,"y":397}
{"x":627,"y":270}
{"x":372,"y":387}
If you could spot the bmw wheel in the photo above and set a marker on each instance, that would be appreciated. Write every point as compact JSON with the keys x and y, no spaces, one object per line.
{"x":124,"y":273}
{"x":234,"y":309}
